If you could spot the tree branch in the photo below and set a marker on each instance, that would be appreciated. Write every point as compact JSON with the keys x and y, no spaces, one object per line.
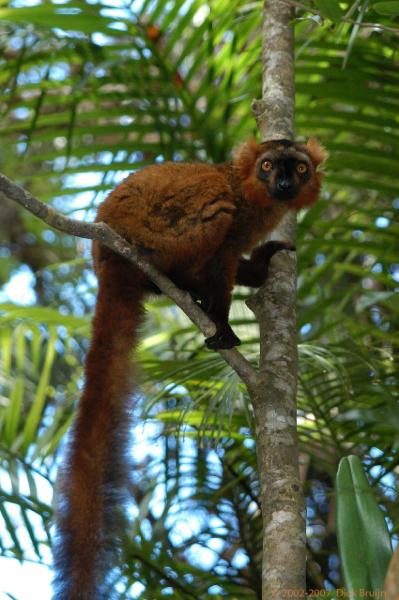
{"x":111,"y":239}
{"x":345,"y":18}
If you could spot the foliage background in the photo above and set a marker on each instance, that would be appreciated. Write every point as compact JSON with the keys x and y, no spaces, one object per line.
{"x":91,"y":91}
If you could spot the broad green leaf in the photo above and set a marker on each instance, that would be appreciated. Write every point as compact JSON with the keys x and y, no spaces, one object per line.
{"x":10,"y":313}
{"x":330,"y":9}
{"x":363,"y":538}
{"x":64,"y":17}
{"x":389,"y":8}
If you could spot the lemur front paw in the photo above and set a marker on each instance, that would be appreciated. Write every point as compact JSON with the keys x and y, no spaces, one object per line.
{"x":224,"y":339}
{"x":269,"y":249}
{"x":287,"y":245}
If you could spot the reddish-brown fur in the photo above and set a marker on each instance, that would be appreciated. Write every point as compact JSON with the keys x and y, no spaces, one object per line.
{"x":195,"y":221}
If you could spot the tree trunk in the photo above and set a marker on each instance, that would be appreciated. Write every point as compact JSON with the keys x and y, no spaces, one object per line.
{"x":274,"y":396}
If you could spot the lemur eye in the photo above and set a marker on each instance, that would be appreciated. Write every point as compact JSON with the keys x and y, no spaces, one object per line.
{"x":302,"y":168}
{"x":267,"y":166}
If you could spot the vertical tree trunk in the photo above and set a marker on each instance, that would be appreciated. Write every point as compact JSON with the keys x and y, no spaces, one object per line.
{"x":274,"y":396}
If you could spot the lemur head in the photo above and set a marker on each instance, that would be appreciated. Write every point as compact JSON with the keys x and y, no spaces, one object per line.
{"x":281,"y":171}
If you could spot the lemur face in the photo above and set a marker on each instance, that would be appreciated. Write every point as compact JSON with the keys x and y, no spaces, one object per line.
{"x":284,"y":167}
{"x":280,"y":172}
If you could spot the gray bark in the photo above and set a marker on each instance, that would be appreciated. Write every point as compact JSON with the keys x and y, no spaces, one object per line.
{"x":274,"y":395}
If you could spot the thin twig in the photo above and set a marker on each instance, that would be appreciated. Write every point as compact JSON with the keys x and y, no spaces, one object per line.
{"x":344,"y":18}
{"x":111,"y":239}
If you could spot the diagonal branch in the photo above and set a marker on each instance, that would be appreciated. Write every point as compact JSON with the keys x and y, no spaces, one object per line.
{"x":111,"y":239}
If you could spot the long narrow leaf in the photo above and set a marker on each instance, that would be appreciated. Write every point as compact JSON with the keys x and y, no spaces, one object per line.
{"x":363,"y":537}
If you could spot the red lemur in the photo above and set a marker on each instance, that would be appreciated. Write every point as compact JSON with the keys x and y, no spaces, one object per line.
{"x":195,"y":221}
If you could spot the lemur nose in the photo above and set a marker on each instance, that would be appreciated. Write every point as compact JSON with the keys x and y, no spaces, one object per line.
{"x":283,"y":184}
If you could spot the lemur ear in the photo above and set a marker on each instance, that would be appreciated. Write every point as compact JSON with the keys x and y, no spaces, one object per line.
{"x":318,"y":154}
